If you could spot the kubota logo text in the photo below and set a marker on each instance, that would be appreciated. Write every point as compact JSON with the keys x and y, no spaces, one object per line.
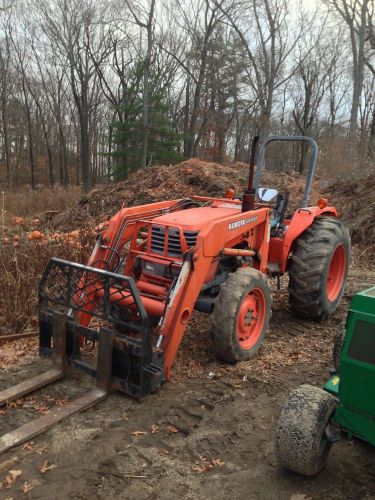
{"x":242,"y":222}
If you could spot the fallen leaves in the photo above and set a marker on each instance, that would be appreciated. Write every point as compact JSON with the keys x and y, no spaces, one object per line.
{"x":156,"y":428}
{"x":13,"y":474}
{"x":11,"y":477}
{"x":163,"y":451}
{"x":206,"y":465}
{"x":26,"y":487}
{"x":172,"y":428}
{"x":46,"y":466}
{"x":13,"y":352}
{"x":28,"y":446}
{"x":42,"y":409}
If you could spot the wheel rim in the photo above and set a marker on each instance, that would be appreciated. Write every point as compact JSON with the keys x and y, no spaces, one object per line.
{"x":336,"y":273}
{"x":250,"y":318}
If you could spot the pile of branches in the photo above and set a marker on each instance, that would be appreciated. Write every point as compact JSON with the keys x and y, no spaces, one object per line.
{"x":191,"y":177}
{"x":355,"y":200}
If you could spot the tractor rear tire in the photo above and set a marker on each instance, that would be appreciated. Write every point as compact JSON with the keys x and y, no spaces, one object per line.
{"x":319,"y":268}
{"x":301,"y":444}
{"x":241,"y":315}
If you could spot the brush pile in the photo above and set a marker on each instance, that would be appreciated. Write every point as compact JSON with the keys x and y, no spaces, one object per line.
{"x":190,"y":177}
{"x":355,"y":200}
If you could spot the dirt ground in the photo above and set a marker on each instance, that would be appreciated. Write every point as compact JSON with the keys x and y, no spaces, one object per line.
{"x":208,"y":434}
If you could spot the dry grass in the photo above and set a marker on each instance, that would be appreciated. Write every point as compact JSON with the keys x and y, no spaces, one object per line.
{"x":21,"y":268}
{"x":28,"y":203}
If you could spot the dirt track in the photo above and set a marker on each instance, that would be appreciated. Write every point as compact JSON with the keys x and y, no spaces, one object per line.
{"x":204,"y":437}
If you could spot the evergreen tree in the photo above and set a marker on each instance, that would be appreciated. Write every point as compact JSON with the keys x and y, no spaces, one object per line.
{"x":164,"y":140}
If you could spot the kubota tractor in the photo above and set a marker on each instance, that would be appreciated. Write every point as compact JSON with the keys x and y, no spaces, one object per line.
{"x":154,"y":264}
{"x":313,"y":418}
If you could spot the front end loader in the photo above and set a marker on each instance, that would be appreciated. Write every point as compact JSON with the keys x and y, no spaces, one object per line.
{"x":153,"y":265}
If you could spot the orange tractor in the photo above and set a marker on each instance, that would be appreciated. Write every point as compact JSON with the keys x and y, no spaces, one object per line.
{"x":154,"y":264}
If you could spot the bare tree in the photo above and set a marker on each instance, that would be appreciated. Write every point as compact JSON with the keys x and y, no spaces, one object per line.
{"x":267,"y":57}
{"x":144,"y":17}
{"x":313,"y":77}
{"x":73,"y":27}
{"x":5,"y":84}
{"x":354,"y":13}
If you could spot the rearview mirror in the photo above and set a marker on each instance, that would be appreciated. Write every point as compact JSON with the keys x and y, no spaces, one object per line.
{"x":267,"y":194}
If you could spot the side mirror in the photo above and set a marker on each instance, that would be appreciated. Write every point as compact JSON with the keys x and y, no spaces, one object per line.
{"x":267,"y":194}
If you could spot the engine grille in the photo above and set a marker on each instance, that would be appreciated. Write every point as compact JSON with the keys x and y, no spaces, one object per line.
{"x":158,"y":236}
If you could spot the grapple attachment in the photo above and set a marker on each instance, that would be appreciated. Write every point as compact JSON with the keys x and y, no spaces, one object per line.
{"x":98,"y":302}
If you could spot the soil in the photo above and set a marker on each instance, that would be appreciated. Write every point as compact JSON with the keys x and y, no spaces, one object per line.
{"x":207,"y":434}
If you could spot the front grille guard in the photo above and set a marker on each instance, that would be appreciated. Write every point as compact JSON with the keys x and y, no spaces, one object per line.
{"x":113,"y":300}
{"x":174,"y":247}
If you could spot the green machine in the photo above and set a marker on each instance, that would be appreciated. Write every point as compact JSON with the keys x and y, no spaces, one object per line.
{"x":312,"y":419}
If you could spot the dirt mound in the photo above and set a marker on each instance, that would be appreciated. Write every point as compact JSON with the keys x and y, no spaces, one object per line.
{"x":190,"y":177}
{"x":355,"y":200}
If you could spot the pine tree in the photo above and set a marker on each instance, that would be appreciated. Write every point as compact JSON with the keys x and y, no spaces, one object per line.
{"x":164,"y":140}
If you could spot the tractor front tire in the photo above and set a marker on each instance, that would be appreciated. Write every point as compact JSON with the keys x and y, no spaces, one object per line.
{"x":241,"y":315}
{"x":301,"y":444}
{"x":319,"y":268}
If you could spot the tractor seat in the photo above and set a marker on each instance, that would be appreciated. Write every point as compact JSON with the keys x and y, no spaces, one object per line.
{"x":277,"y":201}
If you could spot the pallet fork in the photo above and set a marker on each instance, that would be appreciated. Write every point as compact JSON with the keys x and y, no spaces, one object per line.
{"x":59,"y":363}
{"x":124,"y":363}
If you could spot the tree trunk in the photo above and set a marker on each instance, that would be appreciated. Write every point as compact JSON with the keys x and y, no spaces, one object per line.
{"x":30,"y":137}
{"x":186,"y":118}
{"x":371,"y":143}
{"x":358,"y":73}
{"x":191,"y":149}
{"x":85,"y":152}
{"x":49,"y":155}
{"x":4,"y":115}
{"x":109,"y":154}
{"x":146,"y":87}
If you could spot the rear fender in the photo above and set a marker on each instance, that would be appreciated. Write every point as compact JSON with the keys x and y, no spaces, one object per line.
{"x":302,"y":219}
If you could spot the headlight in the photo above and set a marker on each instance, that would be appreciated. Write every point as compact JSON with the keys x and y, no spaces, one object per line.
{"x":159,"y":269}
{"x":149,"y":267}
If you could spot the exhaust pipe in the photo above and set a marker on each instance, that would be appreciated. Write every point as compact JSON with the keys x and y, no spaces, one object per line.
{"x":248,"y":199}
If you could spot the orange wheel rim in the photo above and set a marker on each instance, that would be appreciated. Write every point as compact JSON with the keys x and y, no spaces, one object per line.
{"x":336,"y":273}
{"x":250,"y":318}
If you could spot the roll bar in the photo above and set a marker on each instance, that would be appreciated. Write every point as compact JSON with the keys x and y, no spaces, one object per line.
{"x":290,"y":138}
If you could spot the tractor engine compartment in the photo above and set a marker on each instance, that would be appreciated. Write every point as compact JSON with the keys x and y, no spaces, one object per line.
{"x":156,"y":258}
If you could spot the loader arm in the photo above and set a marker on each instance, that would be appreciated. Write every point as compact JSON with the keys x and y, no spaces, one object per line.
{"x":111,"y":241}
{"x":247,"y":227}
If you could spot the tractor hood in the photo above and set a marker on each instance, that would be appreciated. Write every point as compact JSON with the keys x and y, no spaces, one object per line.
{"x":194,"y":219}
